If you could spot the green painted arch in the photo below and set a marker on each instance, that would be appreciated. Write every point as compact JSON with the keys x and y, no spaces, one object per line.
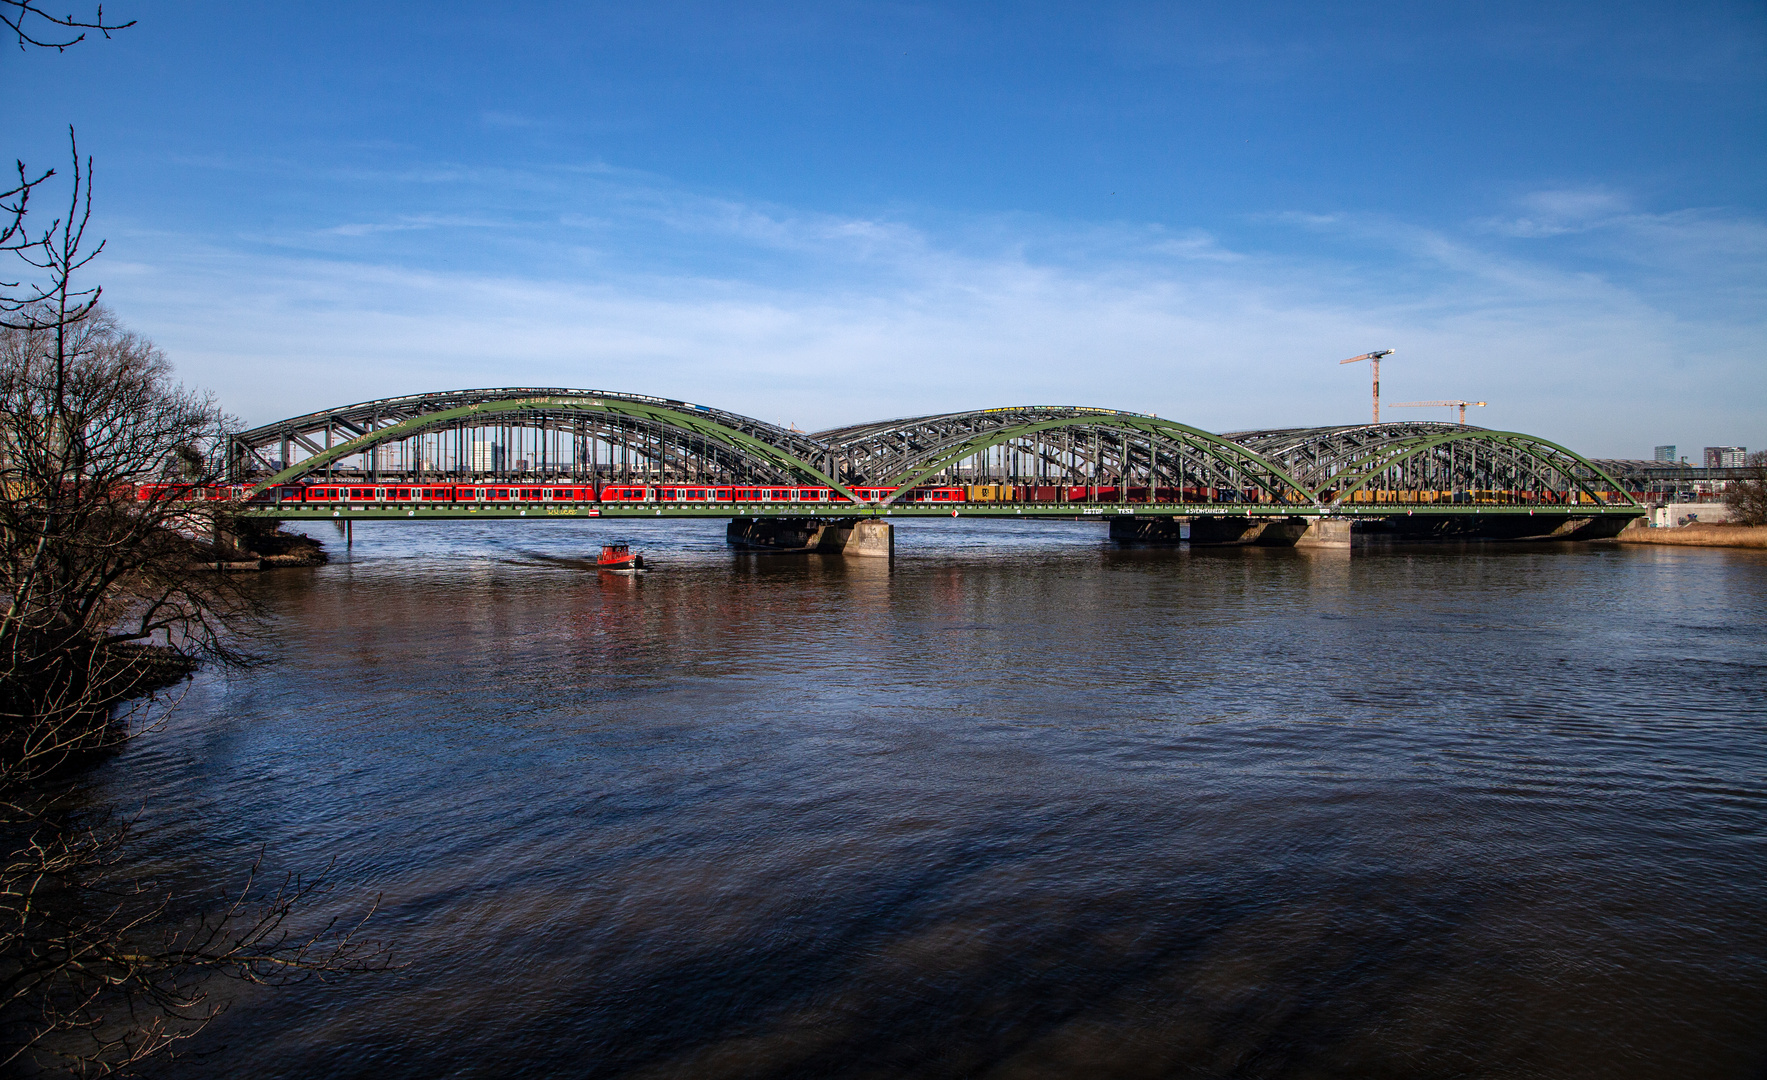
{"x":1420,"y":444}
{"x":1224,"y":451}
{"x":684,"y":421}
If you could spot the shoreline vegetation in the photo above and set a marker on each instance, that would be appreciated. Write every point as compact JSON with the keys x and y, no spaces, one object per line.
{"x":266,"y":548}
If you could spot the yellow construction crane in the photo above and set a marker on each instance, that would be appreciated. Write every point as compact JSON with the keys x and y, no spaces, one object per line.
{"x":1374,"y":356}
{"x":1461,"y":405}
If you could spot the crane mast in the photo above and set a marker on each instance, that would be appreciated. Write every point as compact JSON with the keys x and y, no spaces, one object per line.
{"x":1375,"y":358}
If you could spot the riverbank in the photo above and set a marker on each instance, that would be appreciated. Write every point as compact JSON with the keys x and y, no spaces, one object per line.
{"x":1732,"y":536}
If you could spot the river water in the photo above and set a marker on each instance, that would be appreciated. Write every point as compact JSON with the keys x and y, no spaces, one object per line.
{"x":1023,"y":804}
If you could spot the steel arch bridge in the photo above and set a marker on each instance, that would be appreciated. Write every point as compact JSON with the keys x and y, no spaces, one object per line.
{"x":1042,"y":460}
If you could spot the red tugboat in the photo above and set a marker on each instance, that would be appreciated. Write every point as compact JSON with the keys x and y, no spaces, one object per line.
{"x":618,"y":559}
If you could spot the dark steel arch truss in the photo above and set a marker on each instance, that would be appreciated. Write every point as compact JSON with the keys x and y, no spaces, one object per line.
{"x":1055,"y":446}
{"x":527,"y":433}
{"x":550,"y":434}
{"x":1395,"y":462}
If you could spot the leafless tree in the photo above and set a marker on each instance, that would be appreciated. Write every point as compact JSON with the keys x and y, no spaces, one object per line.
{"x":106,"y":596}
{"x":103,"y":551}
{"x":99,"y":455}
{"x":1747,"y":498}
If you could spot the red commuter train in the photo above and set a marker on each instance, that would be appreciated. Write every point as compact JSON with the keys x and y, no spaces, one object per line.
{"x":359,"y":493}
{"x":339,"y":493}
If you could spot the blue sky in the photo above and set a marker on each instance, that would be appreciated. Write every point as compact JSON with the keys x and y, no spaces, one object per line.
{"x":827,"y":212}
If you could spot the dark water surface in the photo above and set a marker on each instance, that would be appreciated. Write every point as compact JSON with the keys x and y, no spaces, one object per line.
{"x":1021,"y":805}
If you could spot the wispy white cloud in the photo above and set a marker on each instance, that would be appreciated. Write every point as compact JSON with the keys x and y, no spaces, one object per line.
{"x":823,"y":319}
{"x":410,"y":223}
{"x":1553,"y":213}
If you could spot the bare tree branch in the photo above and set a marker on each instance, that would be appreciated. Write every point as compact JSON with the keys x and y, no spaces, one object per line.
{"x":23,"y":17}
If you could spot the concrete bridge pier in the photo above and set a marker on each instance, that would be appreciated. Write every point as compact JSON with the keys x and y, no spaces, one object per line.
{"x":1297,"y":532}
{"x":1316,"y":532}
{"x":787,"y":534}
{"x":1227,"y":531}
{"x":871,"y":539}
{"x":1149,"y":530}
{"x":857,"y":537}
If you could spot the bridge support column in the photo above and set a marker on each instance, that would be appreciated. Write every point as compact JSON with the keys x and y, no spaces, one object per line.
{"x":1324,"y":533}
{"x":1297,"y":532}
{"x":871,"y":539}
{"x":1226,"y":531}
{"x":789,"y":534}
{"x":1150,"y":530}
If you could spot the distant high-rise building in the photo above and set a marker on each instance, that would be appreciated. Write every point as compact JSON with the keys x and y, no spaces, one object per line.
{"x":487,"y":456}
{"x":1665,"y":453}
{"x":1726,"y":457}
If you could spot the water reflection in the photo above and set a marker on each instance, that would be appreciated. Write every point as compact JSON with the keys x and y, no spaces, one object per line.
{"x":1021,"y":804}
